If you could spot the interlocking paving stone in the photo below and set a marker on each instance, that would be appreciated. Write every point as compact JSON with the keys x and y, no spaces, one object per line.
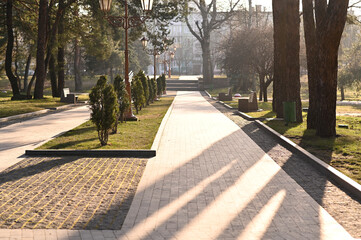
{"x":210,"y":180}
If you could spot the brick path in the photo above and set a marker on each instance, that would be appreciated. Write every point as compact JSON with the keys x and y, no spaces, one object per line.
{"x":211,"y":181}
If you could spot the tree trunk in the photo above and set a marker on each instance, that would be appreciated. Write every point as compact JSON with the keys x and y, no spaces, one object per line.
{"x":61,"y":53}
{"x":26,"y":74}
{"x":40,"y":63}
{"x":261,"y":86}
{"x":265,"y":87}
{"x":286,"y":56}
{"x":342,"y":89}
{"x":52,"y":73}
{"x":77,"y":75}
{"x":61,"y":73}
{"x":323,"y":40}
{"x":312,"y":66}
{"x":9,"y":48}
{"x":207,"y":62}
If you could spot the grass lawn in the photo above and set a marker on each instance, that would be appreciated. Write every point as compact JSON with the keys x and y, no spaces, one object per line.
{"x":10,"y":108}
{"x":131,"y":135}
{"x":342,"y":152}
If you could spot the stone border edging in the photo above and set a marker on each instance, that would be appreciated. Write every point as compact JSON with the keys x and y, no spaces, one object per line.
{"x":246,"y":116}
{"x":339,"y":177}
{"x":36,"y":113}
{"x":160,"y":131}
{"x":92,"y":153}
{"x":24,"y":115}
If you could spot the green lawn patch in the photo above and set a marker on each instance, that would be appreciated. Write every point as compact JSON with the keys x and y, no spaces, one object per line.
{"x":131,"y":135}
{"x":342,"y":152}
{"x":10,"y":108}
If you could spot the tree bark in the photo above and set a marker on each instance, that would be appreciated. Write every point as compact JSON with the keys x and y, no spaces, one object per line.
{"x":207,"y":62}
{"x":261,"y":86}
{"x":52,"y":73}
{"x":326,"y":26}
{"x":40,"y":55}
{"x":286,"y":56}
{"x":342,"y":89}
{"x":311,"y":56}
{"x":61,"y":53}
{"x":77,"y":74}
{"x":26,"y":74}
{"x":9,"y":48}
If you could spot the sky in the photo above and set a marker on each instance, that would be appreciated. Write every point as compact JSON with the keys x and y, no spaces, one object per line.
{"x":268,"y":4}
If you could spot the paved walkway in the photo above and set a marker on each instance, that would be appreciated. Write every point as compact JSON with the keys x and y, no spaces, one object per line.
{"x":211,"y":181}
{"x":18,"y":137}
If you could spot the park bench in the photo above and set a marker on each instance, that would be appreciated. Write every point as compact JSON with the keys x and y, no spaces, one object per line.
{"x":224,"y":96}
{"x":68,"y":97}
{"x":248,"y":104}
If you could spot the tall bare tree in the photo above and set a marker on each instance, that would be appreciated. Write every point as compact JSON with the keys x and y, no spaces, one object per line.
{"x":211,"y":19}
{"x":9,"y":49}
{"x":324,"y":22}
{"x":286,"y":84}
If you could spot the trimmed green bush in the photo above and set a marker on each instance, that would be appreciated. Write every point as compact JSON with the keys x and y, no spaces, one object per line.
{"x":137,"y":93}
{"x":159,"y":86}
{"x":154,"y":87}
{"x":164,"y":83}
{"x":123,"y":100}
{"x":144,"y":81}
{"x":104,"y":107}
{"x":151,"y":91}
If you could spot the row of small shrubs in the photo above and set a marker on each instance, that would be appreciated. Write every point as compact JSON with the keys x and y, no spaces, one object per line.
{"x":146,"y":90}
{"x":109,"y":102}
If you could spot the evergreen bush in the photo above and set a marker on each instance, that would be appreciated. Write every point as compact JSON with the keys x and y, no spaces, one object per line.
{"x":144,"y":81}
{"x":155,"y":88}
{"x":164,"y":83}
{"x":104,"y":107}
{"x":159,"y":86}
{"x":151,"y":91}
{"x":137,"y":93}
{"x":123,"y":100}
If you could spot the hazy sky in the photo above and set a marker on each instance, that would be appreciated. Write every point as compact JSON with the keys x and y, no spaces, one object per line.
{"x":268,"y":4}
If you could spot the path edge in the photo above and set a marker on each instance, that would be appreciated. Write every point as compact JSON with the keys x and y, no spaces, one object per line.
{"x":336,"y":175}
{"x":161,"y":128}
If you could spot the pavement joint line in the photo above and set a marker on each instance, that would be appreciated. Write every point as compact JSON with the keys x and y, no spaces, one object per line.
{"x":97,"y":194}
{"x":96,"y":209}
{"x":8,"y":183}
{"x":65,"y":195}
{"x":32,"y":207}
{"x":37,"y":186}
{"x":86,"y":192}
{"x":135,"y":173}
{"x":91,"y":187}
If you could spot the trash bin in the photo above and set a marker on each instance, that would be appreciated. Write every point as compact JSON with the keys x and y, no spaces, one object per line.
{"x":289,"y":111}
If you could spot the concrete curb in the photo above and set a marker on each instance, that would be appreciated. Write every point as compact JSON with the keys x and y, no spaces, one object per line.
{"x":225,"y":104}
{"x":92,"y":153}
{"x":160,"y":131}
{"x":25,"y":115}
{"x":246,"y":116}
{"x":209,"y":95}
{"x":336,"y":175}
{"x":32,"y":114}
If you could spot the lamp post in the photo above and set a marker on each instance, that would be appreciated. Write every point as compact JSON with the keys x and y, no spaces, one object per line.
{"x":153,"y":52}
{"x":126,"y":22}
{"x":170,"y":64}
